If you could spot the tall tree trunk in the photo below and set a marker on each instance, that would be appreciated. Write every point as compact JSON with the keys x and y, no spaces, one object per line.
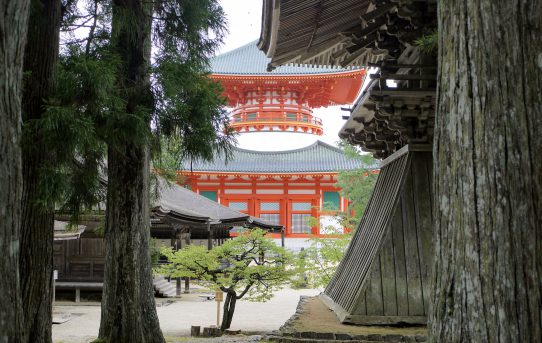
{"x":36,"y":259}
{"x":488,"y":173}
{"x":128,"y":306}
{"x":13,"y":26}
{"x":229,"y":309}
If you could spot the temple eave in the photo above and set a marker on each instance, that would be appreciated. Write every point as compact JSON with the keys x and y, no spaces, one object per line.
{"x":290,"y":77}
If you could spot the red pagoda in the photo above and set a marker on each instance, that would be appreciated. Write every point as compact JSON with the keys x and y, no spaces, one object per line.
{"x":280,"y":172}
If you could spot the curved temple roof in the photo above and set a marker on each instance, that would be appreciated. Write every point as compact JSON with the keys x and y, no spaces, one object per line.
{"x":249,"y":60}
{"x":342,"y":32}
{"x":310,"y":31}
{"x":182,"y":205}
{"x":317,"y":157}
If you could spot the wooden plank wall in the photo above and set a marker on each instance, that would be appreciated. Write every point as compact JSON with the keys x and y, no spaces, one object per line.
{"x":80,"y":259}
{"x":345,"y":287}
{"x":83,"y":259}
{"x":384,"y":277}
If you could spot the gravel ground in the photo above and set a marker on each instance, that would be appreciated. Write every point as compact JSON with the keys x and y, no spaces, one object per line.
{"x":223,"y":339}
{"x":177,"y":317}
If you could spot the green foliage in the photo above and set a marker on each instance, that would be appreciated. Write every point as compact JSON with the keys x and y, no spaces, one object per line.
{"x":100,"y":229}
{"x":167,"y":159}
{"x":185,"y":119}
{"x":234,"y":266}
{"x":189,"y":105}
{"x":356,"y":185}
{"x":428,"y":43}
{"x":315,"y":265}
{"x":155,"y":251}
{"x":192,"y":30}
{"x":190,"y":109}
{"x":71,"y":129}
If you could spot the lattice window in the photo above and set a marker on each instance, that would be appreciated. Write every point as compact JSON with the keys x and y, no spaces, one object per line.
{"x":273,"y":218}
{"x":269,"y":206}
{"x":270,"y":211}
{"x":301,"y":206}
{"x":238,"y":205}
{"x":300,"y":223}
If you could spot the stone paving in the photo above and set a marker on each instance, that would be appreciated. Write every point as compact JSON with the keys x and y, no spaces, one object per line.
{"x":177,"y":318}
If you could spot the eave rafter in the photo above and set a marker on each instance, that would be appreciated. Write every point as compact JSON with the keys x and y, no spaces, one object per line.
{"x":380,"y":29}
{"x":317,"y":90}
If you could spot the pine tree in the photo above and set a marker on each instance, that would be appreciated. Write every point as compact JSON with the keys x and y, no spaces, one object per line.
{"x":128,"y":306}
{"x":249,"y":266}
{"x":180,"y":102}
{"x":13,"y":26}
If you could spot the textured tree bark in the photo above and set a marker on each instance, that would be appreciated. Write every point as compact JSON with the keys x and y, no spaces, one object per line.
{"x":488,"y":173}
{"x":13,"y":26}
{"x":36,"y":259}
{"x":229,"y":309}
{"x":128,"y":306}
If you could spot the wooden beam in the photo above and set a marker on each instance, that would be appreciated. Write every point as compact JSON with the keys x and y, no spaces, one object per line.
{"x":384,"y":76}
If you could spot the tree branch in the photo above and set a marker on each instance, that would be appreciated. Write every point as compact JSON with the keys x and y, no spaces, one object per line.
{"x":245,"y":290}
{"x":92,"y":28}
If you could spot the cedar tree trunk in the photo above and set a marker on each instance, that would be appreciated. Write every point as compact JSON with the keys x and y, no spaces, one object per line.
{"x":488,"y":173}
{"x":229,"y":308}
{"x":13,"y":26}
{"x":128,"y":306}
{"x":36,"y":259}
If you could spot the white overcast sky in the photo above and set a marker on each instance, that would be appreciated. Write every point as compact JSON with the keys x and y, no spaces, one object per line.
{"x":244,"y":25}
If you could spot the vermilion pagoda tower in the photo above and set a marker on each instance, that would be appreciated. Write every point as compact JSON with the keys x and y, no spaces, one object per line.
{"x":280,"y":172}
{"x":281,"y":100}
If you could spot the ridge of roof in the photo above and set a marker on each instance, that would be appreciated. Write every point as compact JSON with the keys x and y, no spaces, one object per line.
{"x":284,"y":152}
{"x":317,"y":157}
{"x":254,"y":62}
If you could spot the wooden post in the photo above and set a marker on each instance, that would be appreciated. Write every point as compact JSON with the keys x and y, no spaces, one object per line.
{"x":218,"y":313}
{"x":282,"y":237}
{"x":194,"y":331}
{"x":210,"y":237}
{"x":188,"y":241}
{"x":219,"y":296}
{"x":55,"y":276}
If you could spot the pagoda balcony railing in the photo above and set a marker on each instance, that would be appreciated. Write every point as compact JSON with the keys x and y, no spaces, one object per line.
{"x":288,"y":113}
{"x":273,"y":117}
{"x":244,"y":118}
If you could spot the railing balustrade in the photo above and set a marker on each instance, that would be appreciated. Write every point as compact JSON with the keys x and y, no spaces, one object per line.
{"x":243,"y":118}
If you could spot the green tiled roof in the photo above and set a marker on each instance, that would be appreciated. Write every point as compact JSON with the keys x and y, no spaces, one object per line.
{"x":317,"y":157}
{"x":249,"y":60}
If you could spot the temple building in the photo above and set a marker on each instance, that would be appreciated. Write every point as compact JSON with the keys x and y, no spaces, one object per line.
{"x":280,"y":171}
